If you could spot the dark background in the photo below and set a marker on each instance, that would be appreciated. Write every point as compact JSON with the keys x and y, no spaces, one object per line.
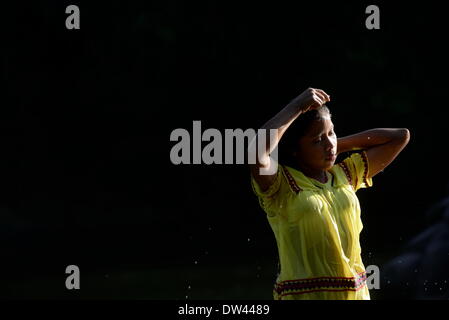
{"x":86,"y":117}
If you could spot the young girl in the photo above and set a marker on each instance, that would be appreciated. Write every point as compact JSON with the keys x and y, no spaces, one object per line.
{"x":310,"y":201}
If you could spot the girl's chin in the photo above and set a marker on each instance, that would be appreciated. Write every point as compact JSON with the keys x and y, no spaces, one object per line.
{"x":329,"y":164}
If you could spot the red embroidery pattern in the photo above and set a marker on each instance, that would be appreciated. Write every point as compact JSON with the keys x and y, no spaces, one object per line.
{"x":301,"y":286}
{"x":365,"y":162}
{"x":346,"y":170}
{"x":290,"y":180}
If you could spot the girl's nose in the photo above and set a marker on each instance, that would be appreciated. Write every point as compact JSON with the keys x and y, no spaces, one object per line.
{"x":329,"y":144}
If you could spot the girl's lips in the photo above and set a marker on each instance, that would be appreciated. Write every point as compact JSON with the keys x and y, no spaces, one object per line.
{"x":331,"y":158}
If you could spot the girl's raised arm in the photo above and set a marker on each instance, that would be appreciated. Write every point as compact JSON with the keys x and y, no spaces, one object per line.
{"x":382,"y":146}
{"x":310,"y":99}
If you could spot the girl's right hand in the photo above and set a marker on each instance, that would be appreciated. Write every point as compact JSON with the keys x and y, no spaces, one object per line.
{"x":310,"y":99}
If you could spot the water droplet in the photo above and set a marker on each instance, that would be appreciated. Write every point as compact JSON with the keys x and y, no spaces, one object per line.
{"x":249,"y":239}
{"x":196,"y":262}
{"x":187,"y":297}
{"x":188,"y":287}
{"x":388,"y":281}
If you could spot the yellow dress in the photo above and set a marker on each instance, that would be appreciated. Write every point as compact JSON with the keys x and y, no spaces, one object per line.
{"x":317,"y":227}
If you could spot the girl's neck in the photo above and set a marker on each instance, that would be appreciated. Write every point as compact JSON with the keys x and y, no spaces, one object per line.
{"x":317,"y":174}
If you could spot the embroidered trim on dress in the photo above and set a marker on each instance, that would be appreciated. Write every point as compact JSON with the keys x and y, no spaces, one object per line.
{"x":346,"y":170}
{"x":365,"y":163}
{"x":301,"y":286}
{"x":291,"y":180}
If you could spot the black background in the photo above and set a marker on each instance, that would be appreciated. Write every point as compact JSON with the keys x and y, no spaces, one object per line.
{"x":86,"y":117}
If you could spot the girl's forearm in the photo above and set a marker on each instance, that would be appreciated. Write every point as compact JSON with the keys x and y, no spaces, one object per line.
{"x":369,"y":138}
{"x":280,"y":122}
{"x":283,"y":120}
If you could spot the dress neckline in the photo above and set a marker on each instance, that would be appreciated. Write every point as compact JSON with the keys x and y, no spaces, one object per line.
{"x":303,"y":182}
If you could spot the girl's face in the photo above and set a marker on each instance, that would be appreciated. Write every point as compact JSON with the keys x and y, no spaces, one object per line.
{"x":318,"y":148}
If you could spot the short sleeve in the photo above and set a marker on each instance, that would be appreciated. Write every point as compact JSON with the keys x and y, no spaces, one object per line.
{"x":356,"y":168}
{"x":269,"y":197}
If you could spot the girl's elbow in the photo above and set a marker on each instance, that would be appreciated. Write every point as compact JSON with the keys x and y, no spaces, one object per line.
{"x":404,"y":135}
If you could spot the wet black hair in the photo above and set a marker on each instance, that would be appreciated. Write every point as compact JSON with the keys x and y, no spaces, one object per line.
{"x":299,"y":128}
